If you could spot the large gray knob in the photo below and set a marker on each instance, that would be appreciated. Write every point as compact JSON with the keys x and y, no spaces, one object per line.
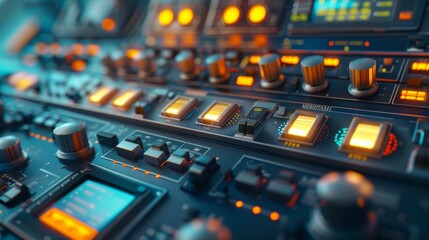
{"x":72,"y":142}
{"x":11,"y":154}
{"x":216,"y":65}
{"x":313,"y":73}
{"x":269,"y":67}
{"x":362,"y":77}
{"x":344,"y":208}
{"x":186,"y":62}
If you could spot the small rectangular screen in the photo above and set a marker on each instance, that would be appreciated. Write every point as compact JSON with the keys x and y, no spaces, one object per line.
{"x":86,"y":210}
{"x":325,"y":11}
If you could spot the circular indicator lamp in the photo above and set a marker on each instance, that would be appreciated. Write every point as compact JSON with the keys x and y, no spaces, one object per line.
{"x":108,"y":24}
{"x":165,"y":17}
{"x":185,"y":16}
{"x":231,"y":14}
{"x":257,"y":13}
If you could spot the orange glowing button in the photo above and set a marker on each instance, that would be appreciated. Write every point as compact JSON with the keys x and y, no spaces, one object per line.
{"x":239,"y":204}
{"x":274,"y":216}
{"x":420,"y":67}
{"x":185,"y":16}
{"x":55,"y":48}
{"x":166,"y":17}
{"x":244,"y":81}
{"x":406,"y":15}
{"x":290,"y":60}
{"x":366,"y":137}
{"x":124,"y":101}
{"x":67,"y":225}
{"x":331,"y":62}
{"x":92,"y":49}
{"x":78,"y":49}
{"x":413,"y":95}
{"x":132,"y":53}
{"x":303,"y":127}
{"x":218,"y":114}
{"x":231,"y":15}
{"x":102,"y":95}
{"x":179,"y":107}
{"x":257,"y":13}
{"x":23,"y":81}
{"x":78,"y":65}
{"x":254,"y":59}
{"x":108,"y":24}
{"x":256,"y":210}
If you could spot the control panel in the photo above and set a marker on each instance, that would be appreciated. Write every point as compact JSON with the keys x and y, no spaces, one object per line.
{"x":243,"y":119}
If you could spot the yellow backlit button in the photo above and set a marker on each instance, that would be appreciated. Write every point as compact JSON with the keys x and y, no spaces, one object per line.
{"x":166,"y":17}
{"x":102,"y":95}
{"x":179,"y":107}
{"x":185,"y":16}
{"x":289,"y":60}
{"x":231,"y":14}
{"x":217,"y":114}
{"x":331,"y":62}
{"x":244,"y":81}
{"x":124,"y":101}
{"x":257,"y":13}
{"x":366,"y":137}
{"x":303,"y":127}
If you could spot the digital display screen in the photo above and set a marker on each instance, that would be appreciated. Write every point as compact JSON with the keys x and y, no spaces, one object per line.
{"x":325,"y":11}
{"x":86,"y":210}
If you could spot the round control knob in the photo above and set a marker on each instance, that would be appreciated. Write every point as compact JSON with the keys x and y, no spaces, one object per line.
{"x":185,"y":60}
{"x":362,"y":77}
{"x":145,"y":63}
{"x":204,"y":229}
{"x":313,"y":73}
{"x":217,"y":67}
{"x":344,"y":208}
{"x":11,"y":154}
{"x":72,"y":142}
{"x":270,"y":66}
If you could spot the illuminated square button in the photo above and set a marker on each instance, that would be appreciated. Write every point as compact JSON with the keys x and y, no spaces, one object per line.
{"x":366,"y":137}
{"x":179,"y":107}
{"x":102,"y":95}
{"x":124,"y":101}
{"x":218,"y":114}
{"x":303,"y":127}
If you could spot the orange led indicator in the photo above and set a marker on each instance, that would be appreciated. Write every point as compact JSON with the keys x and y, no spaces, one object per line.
{"x":274,"y":216}
{"x":78,"y":49}
{"x":420,"y":66}
{"x":406,"y":15}
{"x":239,"y":204}
{"x":78,"y":65}
{"x":132,"y":53}
{"x":165,"y":17}
{"x":413,"y":95}
{"x":331,"y":62}
{"x":108,"y":24}
{"x":291,"y":60}
{"x":257,"y":13}
{"x":254,"y":59}
{"x":67,"y":225}
{"x":231,"y":14}
{"x":244,"y":81}
{"x":55,"y":48}
{"x":256,"y":210}
{"x":92,"y":49}
{"x":185,"y":16}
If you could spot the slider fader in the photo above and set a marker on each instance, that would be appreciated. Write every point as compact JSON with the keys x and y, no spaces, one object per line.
{"x":214,"y":120}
